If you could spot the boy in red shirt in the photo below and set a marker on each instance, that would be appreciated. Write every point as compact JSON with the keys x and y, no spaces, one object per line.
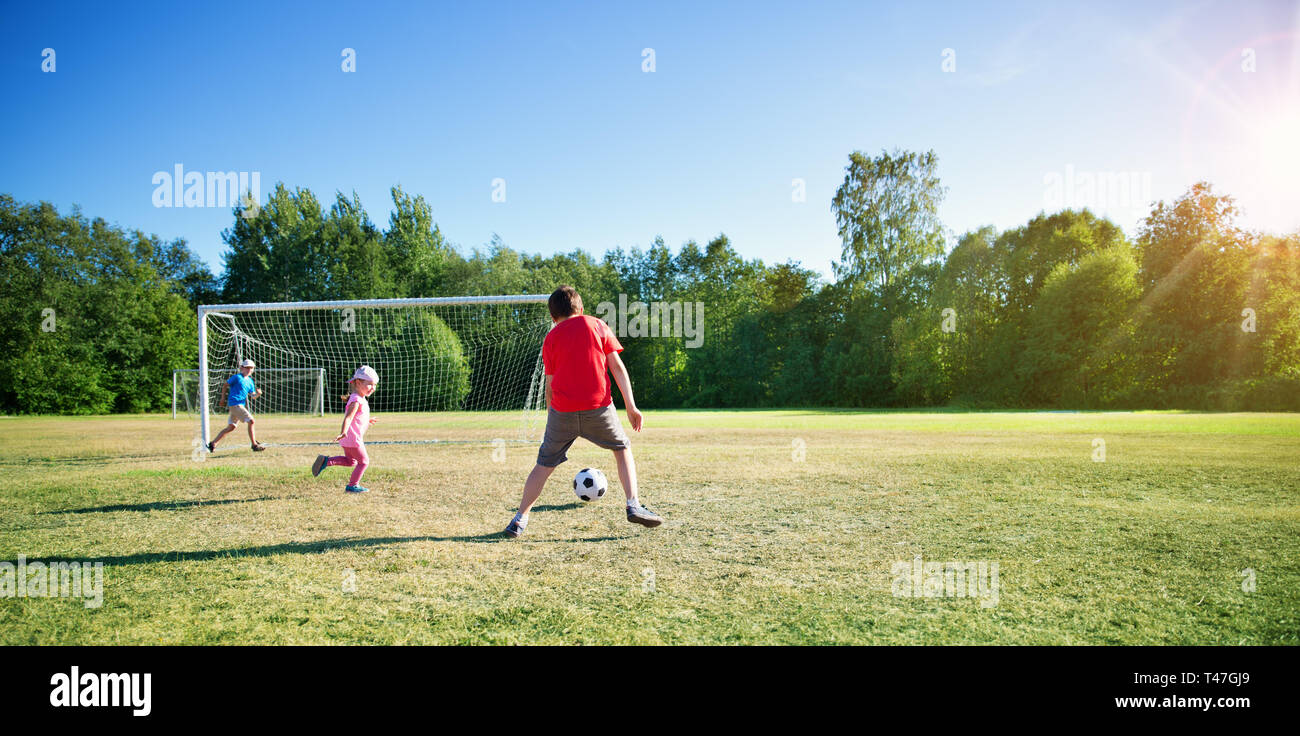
{"x":575,"y":356}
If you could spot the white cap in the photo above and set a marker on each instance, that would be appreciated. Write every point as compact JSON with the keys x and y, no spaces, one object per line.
{"x":247,"y":364}
{"x":366,"y":373}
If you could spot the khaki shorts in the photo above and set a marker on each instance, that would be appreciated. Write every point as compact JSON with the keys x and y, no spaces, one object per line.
{"x":600,"y":426}
{"x":239,"y":413}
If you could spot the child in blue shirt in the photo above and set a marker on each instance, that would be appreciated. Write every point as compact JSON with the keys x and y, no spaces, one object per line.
{"x":239,"y":391}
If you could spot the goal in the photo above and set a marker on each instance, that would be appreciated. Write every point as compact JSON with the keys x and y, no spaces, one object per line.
{"x":451,"y":368}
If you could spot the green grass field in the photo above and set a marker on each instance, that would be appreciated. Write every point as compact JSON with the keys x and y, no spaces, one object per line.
{"x":784,"y":527}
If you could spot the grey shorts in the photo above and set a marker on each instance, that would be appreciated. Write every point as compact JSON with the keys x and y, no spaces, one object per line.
{"x":600,"y":426}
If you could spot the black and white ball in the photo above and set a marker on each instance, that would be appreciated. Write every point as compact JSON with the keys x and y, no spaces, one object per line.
{"x":590,"y":484}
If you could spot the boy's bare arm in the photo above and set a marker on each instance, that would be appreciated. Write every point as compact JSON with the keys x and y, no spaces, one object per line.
{"x":619,"y":371}
{"x":548,"y":392}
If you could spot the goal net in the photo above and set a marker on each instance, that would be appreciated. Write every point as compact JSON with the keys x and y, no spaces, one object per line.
{"x":284,"y":390}
{"x":475,"y":361}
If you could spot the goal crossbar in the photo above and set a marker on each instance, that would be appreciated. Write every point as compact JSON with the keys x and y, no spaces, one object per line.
{"x":375,"y":303}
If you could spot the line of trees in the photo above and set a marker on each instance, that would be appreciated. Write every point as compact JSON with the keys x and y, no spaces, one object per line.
{"x":92,"y":319}
{"x":1065,"y":311}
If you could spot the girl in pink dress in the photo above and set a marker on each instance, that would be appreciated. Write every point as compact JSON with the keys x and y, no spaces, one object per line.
{"x":356,"y":420}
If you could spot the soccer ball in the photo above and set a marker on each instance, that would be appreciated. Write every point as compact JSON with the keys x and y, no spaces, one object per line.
{"x":590,"y":484}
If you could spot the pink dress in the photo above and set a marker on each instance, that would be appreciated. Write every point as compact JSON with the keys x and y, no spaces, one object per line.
{"x":354,"y":435}
{"x":354,"y":448}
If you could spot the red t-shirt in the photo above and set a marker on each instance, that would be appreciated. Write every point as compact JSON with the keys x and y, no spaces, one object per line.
{"x":573,"y":355}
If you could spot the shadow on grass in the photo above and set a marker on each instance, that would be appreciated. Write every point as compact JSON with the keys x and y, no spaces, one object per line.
{"x":558,"y":507}
{"x":159,"y":505}
{"x":270,"y":550}
{"x":87,"y":460}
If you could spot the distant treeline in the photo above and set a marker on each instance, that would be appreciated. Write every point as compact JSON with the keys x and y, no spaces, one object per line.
{"x":1065,"y":311}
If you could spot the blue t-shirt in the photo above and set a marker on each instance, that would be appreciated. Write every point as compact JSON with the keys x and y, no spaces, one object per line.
{"x":240,"y":387}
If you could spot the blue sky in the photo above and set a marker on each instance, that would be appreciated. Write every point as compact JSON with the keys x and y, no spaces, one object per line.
{"x":597,"y":153}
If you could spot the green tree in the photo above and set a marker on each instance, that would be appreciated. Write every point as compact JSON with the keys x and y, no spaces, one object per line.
{"x":417,"y":253}
{"x":973,"y":284}
{"x":358,"y":264}
{"x":1197,"y":277}
{"x":279,"y":254}
{"x":1024,"y":257}
{"x":190,"y":276}
{"x":1028,"y":254}
{"x":794,"y":329}
{"x":1278,"y":316}
{"x":1072,"y":349}
{"x":116,"y":325}
{"x":887,"y":211}
{"x":1173,"y":232}
{"x":860,"y":352}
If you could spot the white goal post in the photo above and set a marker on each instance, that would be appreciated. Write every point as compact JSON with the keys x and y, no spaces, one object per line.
{"x":480,"y":355}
